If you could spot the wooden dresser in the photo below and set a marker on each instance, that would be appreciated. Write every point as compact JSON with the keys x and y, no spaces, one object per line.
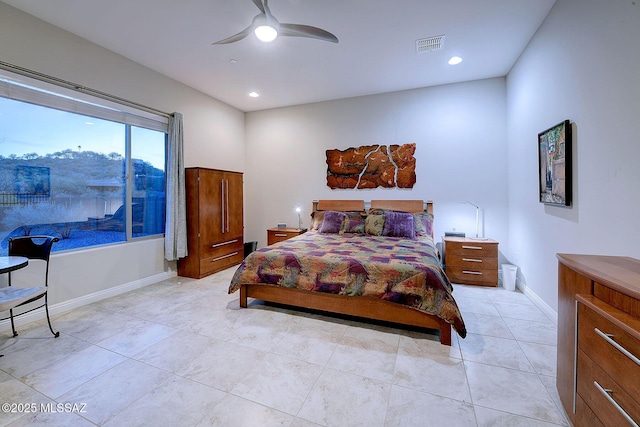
{"x":215,"y":224}
{"x":275,"y":235}
{"x":470,"y":261}
{"x":598,"y":364}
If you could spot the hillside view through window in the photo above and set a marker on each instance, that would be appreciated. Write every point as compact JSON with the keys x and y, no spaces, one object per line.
{"x":65,"y":174}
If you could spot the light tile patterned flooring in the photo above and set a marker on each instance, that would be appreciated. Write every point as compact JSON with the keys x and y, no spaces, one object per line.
{"x":182,"y":353}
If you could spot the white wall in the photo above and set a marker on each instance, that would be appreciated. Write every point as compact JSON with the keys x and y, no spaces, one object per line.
{"x":214,"y":137}
{"x":460,"y":136}
{"x":475,"y":141}
{"x":582,"y":65}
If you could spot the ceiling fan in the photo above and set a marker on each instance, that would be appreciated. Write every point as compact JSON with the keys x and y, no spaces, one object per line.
{"x":266,"y":27}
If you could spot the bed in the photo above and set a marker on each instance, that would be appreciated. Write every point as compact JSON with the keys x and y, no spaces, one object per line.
{"x":369,"y":264}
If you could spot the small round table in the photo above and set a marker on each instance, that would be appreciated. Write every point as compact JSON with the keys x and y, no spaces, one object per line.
{"x":10,"y":263}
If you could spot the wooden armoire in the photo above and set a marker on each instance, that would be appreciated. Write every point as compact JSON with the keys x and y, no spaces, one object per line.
{"x":215,"y":225}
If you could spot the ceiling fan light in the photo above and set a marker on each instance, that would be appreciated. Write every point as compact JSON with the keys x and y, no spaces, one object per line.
{"x":266,"y":33}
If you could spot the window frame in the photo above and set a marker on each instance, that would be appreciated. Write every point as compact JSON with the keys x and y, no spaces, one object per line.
{"x":25,"y":89}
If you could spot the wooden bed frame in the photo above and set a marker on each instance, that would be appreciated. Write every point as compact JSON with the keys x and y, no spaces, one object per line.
{"x":364,"y":307}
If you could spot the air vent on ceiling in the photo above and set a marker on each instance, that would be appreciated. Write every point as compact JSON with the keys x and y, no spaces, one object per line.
{"x":430,"y":44}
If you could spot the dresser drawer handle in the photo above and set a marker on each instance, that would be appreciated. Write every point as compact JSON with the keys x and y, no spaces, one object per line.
{"x":225,"y":243}
{"x":280,"y":235}
{"x":477,"y":248}
{"x":224,"y":256}
{"x":609,"y":338}
{"x":477,"y":273}
{"x":607,"y":394}
{"x":471,"y":260}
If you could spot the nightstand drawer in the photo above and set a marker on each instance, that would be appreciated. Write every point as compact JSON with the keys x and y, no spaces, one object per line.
{"x":473,"y":262}
{"x":473,"y":249}
{"x":472,"y":276}
{"x":275,"y":235}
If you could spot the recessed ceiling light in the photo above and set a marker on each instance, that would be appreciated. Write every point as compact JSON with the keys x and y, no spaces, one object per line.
{"x":455,"y":60}
{"x":254,"y":94}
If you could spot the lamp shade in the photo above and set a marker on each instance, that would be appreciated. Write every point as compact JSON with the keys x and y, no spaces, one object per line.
{"x":477,"y":236}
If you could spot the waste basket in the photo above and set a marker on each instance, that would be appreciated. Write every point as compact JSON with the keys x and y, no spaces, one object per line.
{"x":509,"y":276}
{"x":249,"y":247}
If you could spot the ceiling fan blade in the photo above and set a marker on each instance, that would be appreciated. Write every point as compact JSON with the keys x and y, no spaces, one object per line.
{"x":259,"y":4}
{"x":236,"y":37}
{"x":267,"y":11}
{"x":296,"y":30}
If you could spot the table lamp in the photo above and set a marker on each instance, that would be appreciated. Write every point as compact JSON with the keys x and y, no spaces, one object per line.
{"x":477,"y":236}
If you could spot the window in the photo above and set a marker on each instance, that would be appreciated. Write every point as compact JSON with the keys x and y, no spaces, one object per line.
{"x":88,"y":174}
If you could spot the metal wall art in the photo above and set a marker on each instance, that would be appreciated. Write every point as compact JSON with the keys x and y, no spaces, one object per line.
{"x":372,"y":166}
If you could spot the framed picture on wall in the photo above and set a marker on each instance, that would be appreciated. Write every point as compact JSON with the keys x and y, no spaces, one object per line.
{"x":554,"y":154}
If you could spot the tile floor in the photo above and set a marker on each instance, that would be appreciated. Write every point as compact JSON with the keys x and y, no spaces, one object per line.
{"x":182,"y":353}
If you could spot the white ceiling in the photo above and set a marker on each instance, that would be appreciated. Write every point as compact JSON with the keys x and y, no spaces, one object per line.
{"x":376,"y":52}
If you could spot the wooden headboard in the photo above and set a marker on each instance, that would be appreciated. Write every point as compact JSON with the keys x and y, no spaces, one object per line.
{"x":403,"y":205}
{"x":358,"y":205}
{"x":338,"y":205}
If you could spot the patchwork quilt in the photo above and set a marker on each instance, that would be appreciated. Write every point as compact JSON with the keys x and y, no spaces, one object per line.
{"x":395,"y":269}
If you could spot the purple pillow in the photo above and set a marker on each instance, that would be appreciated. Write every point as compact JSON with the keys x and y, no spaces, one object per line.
{"x":399,"y":224}
{"x":332,"y":222}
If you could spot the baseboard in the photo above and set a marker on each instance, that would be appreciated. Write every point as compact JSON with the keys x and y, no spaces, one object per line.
{"x":65,"y":306}
{"x":538,"y":302}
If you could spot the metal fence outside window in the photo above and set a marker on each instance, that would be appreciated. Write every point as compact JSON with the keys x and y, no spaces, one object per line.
{"x":8,"y":199}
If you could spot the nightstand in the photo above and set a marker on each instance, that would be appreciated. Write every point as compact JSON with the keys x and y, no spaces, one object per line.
{"x":275,"y":235}
{"x":471,"y":261}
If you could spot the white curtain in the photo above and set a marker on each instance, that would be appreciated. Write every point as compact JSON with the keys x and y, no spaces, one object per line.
{"x":175,"y":237}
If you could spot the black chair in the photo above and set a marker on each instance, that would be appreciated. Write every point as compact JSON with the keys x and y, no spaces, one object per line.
{"x":11,"y":297}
